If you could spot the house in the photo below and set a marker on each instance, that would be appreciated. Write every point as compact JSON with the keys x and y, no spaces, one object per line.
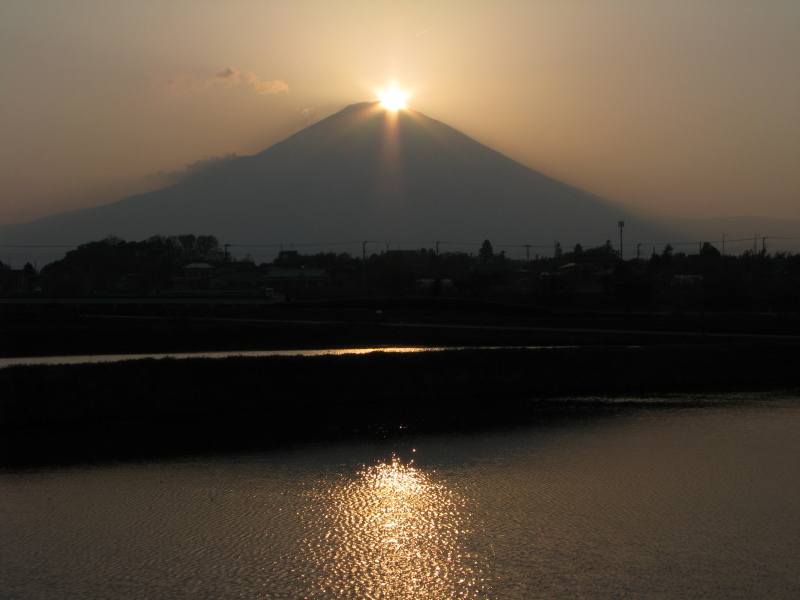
{"x":587,"y":276}
{"x":409,"y":258}
{"x":292,"y":280}
{"x":126,"y":284}
{"x":194,"y":276}
{"x":435,"y":287}
{"x":234,"y":276}
{"x":686,"y":282}
{"x":67,"y":280}
{"x":8,"y":280}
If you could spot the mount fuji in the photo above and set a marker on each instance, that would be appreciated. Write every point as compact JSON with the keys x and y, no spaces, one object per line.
{"x":364,"y":173}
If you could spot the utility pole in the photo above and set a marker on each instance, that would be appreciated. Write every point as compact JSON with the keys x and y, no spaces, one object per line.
{"x":621,"y":225}
{"x":437,"y":248}
{"x":363,"y":264}
{"x":638,"y":246}
{"x":723,"y":252}
{"x":528,"y":252}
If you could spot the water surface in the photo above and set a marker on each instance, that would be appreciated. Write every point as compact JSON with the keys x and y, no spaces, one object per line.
{"x":653,"y":503}
{"x":94,"y":358}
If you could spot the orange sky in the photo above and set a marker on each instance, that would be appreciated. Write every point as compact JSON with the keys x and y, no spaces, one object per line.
{"x":683,"y":108}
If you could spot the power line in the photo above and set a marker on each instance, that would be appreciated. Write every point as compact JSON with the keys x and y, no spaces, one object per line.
{"x":314,"y":245}
{"x":429,"y":243}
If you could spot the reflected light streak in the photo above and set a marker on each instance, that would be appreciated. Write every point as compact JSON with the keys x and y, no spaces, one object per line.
{"x":393,"y":533}
{"x":390,"y":168}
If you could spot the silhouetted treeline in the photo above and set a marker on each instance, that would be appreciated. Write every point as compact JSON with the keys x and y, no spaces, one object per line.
{"x":583,"y":277}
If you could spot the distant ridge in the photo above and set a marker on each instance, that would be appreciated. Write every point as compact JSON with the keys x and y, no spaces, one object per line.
{"x":360,"y":174}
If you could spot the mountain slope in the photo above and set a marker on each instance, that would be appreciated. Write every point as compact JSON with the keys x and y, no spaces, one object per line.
{"x":361,"y":174}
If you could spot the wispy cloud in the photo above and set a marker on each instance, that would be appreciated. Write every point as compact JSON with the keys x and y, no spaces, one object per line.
{"x":186,"y":83}
{"x":309,"y":115}
{"x":265,"y":87}
{"x":195,"y":167}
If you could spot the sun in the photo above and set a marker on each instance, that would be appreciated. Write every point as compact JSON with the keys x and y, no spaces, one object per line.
{"x":393,"y":99}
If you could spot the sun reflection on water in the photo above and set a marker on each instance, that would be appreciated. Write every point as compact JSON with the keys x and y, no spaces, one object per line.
{"x":392,"y":532}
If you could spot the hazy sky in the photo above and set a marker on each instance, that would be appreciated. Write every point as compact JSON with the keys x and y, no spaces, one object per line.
{"x":690,"y":108}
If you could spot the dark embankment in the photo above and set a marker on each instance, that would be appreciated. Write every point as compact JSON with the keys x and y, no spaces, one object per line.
{"x":60,"y":413}
{"x":52,"y":330}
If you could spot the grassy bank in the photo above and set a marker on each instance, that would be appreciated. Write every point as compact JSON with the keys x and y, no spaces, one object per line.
{"x":153,"y":407}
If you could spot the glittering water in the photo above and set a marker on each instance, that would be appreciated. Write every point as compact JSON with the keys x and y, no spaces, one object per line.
{"x":656,"y":503}
{"x":391,"y":532}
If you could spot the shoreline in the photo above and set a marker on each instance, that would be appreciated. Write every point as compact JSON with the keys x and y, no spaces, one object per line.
{"x":62,"y":414}
{"x":516,"y":365}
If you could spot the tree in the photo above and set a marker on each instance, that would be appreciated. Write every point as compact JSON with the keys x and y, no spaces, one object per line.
{"x":289,"y":259}
{"x":187,"y":243}
{"x":605,"y":250}
{"x":203,"y":248}
{"x":666,"y":258}
{"x":709,"y":252}
{"x":486,"y":253}
{"x":654,"y":266}
{"x":207,"y":248}
{"x":558,"y":252}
